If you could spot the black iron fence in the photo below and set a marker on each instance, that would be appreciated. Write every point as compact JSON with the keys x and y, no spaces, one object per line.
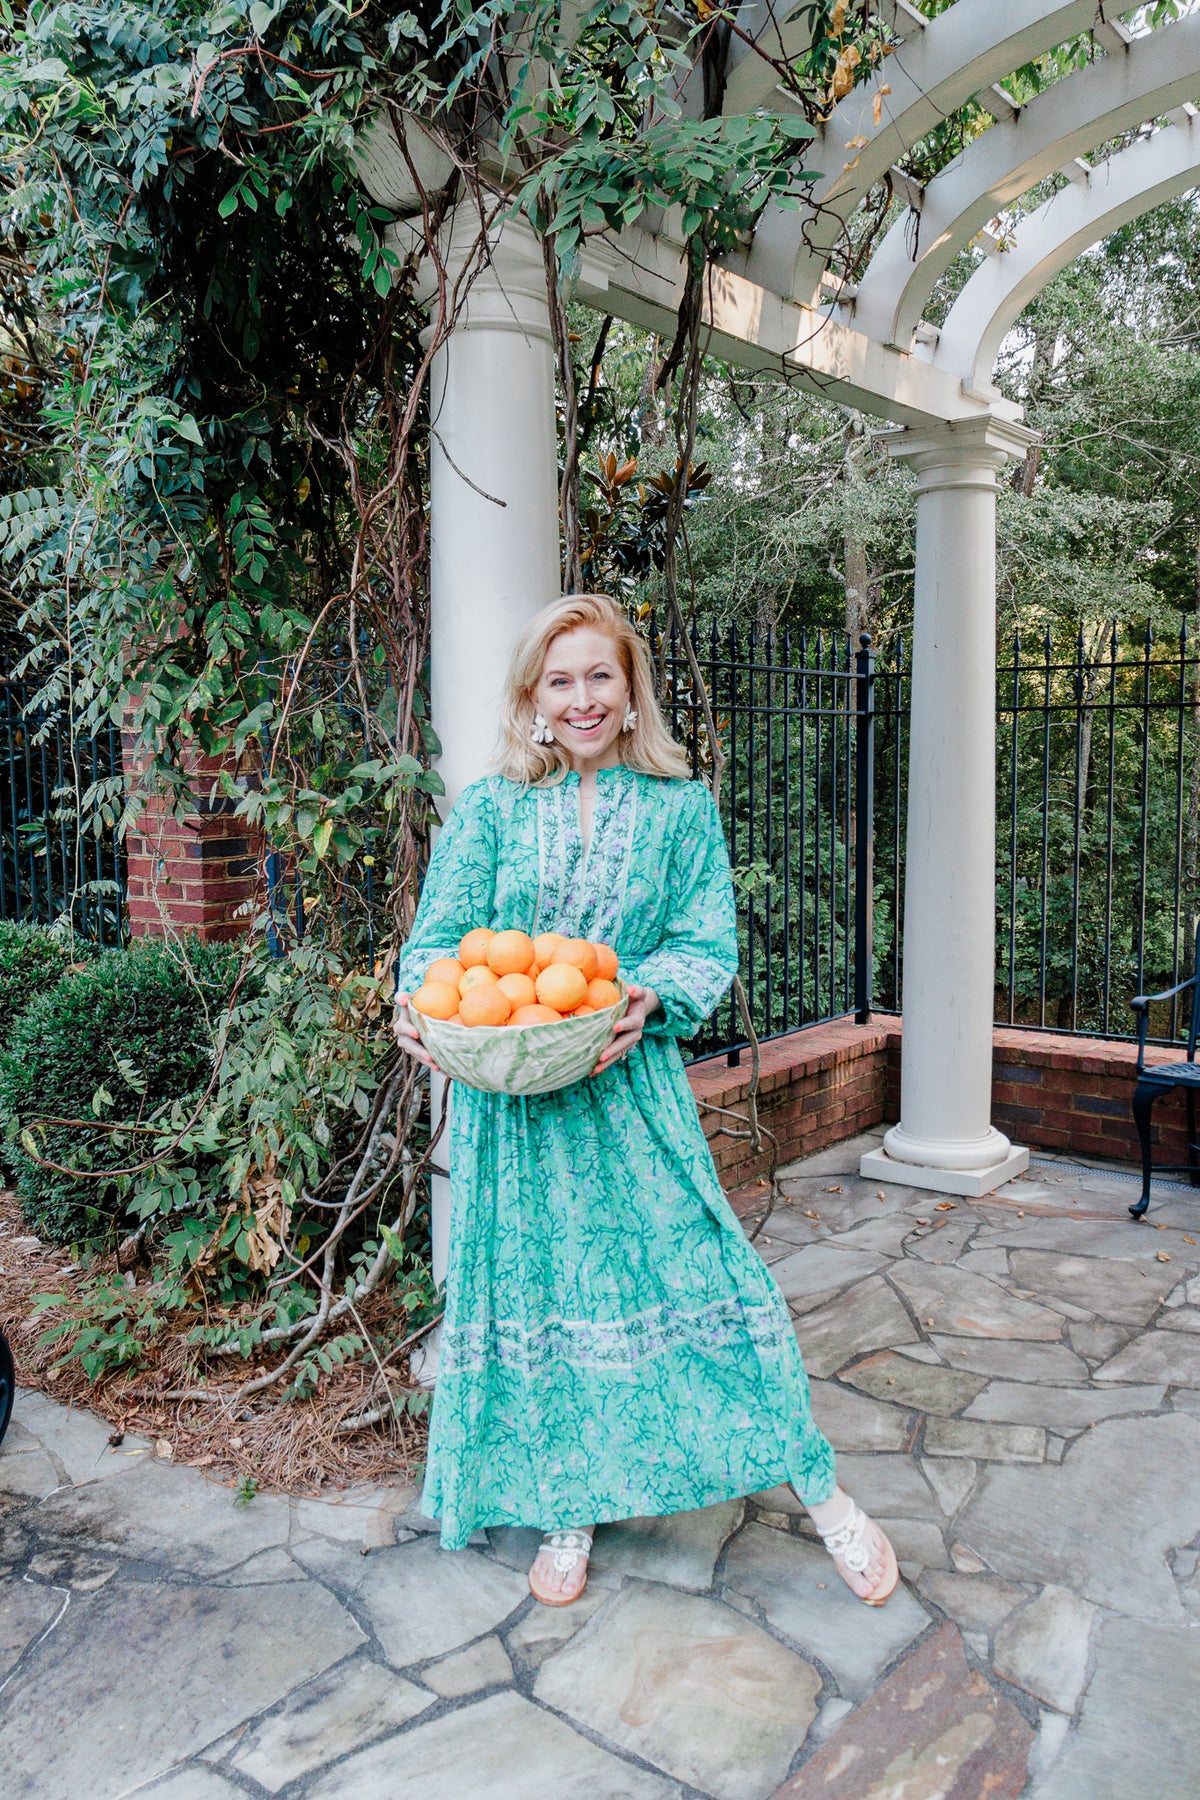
{"x":1098,"y":822}
{"x":56,"y":858}
{"x":814,"y":736}
{"x":1098,"y":761}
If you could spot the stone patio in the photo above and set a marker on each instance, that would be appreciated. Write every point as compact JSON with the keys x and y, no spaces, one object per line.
{"x":1014,"y":1387}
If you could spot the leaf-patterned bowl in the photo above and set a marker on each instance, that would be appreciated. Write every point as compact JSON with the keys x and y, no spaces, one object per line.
{"x":519,"y":1059}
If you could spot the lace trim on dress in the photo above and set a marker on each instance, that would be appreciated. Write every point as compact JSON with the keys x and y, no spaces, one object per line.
{"x":556,"y":850}
{"x":607,"y":866}
{"x":615,"y":1344}
{"x":567,"y":877}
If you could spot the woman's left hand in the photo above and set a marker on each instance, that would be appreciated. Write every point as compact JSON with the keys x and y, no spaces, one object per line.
{"x":627,"y":1031}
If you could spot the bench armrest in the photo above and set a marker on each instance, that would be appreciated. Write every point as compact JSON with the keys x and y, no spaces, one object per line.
{"x":1141,"y":1004}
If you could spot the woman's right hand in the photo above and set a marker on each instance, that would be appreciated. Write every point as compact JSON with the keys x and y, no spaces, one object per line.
{"x":407,"y":1035}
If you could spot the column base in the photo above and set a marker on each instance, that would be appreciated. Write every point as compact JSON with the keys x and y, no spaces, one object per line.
{"x":969,"y":1184}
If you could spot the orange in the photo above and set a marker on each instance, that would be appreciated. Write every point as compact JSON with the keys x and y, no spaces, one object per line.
{"x":581,"y":1012}
{"x":472,"y":950}
{"x":485,"y":1006}
{"x":606,"y":962}
{"x":579,"y":953}
{"x":546,"y":948}
{"x":510,"y":953}
{"x":562,"y":987}
{"x":446,"y":968}
{"x":519,"y":989}
{"x":477,"y":976}
{"x":602,"y":994}
{"x":535,"y":1015}
{"x":437,"y":1000}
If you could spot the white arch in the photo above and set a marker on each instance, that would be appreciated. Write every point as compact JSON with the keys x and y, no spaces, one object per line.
{"x":1126,"y":186}
{"x":1157,"y":73}
{"x":971,"y":46}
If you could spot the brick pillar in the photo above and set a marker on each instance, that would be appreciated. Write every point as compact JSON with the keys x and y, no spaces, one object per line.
{"x":200,"y":873}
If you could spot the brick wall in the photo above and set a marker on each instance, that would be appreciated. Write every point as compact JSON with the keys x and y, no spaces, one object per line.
{"x":1067,"y":1093}
{"x":200,"y":873}
{"x":833,"y":1081}
{"x":817,"y":1087}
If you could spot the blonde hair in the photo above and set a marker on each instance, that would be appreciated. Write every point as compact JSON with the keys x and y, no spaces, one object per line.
{"x":648,"y":747}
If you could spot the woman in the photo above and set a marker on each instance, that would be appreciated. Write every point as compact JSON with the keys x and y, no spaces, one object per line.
{"x":612,"y":1347}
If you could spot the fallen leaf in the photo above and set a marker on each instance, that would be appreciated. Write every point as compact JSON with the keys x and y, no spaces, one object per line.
{"x":922,"y":1221}
{"x":946,"y":1206}
{"x":929,"y":1321}
{"x":809,"y":1214}
{"x":833,"y":1190}
{"x":204,"y":1462}
{"x":1187,"y":1239}
{"x":164,"y":1450}
{"x":235,"y":1443}
{"x":879,"y":1194}
{"x":1161,"y":1256}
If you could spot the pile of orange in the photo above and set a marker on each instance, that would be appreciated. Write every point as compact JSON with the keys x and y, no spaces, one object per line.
{"x":510,"y":978}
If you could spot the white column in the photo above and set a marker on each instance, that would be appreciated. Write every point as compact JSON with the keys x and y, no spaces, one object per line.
{"x":493,"y":523}
{"x":945,"y":1139}
{"x":493,"y":490}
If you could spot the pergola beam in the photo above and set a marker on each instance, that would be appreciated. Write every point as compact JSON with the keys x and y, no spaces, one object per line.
{"x":640,"y":279}
{"x":1055,"y":131}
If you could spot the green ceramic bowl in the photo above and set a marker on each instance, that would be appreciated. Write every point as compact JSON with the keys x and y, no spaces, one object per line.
{"x":519,"y":1059}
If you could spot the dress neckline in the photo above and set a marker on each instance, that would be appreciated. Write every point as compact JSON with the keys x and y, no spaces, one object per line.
{"x":613,"y":770}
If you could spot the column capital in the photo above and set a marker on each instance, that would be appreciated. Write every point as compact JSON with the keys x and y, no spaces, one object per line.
{"x":506,"y":292}
{"x":962,"y":453}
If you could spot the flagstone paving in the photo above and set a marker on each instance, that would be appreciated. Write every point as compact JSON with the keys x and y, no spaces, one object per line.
{"x":1014,"y":1387}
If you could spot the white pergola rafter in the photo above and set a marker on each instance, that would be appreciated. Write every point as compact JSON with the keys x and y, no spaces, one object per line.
{"x":1146,"y":175}
{"x":967,"y":48}
{"x":1115,"y":95}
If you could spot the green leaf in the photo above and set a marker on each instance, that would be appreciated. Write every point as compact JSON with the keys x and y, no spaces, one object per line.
{"x":228,"y":206}
{"x":322,"y":836}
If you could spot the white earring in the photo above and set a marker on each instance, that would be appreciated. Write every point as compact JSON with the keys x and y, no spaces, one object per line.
{"x":541,"y":733}
{"x":630,"y":718}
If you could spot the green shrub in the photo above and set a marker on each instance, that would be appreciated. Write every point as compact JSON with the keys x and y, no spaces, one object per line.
{"x":33,"y":959}
{"x":120,"y":1038}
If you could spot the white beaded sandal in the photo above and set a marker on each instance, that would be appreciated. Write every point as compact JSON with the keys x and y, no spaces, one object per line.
{"x":848,"y":1543}
{"x":569,"y":1547}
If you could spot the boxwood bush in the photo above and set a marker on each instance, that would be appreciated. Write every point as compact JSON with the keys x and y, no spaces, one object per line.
{"x":114,"y":1042}
{"x":33,"y":959}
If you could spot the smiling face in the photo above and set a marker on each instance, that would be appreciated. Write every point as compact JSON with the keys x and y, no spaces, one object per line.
{"x":582,"y":694}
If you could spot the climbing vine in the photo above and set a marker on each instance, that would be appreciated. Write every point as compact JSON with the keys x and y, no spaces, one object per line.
{"x":222,"y":344}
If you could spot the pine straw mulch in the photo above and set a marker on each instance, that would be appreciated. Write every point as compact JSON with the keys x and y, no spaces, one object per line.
{"x":292,"y":1448}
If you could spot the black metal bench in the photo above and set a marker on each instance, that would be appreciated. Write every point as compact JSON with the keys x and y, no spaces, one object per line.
{"x":1161,"y":1078}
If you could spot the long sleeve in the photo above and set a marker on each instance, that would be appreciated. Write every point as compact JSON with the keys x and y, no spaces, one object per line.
{"x":460,"y":885}
{"x":697,"y":958}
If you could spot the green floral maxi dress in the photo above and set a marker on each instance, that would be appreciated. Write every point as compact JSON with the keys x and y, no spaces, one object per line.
{"x":612,"y":1346}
